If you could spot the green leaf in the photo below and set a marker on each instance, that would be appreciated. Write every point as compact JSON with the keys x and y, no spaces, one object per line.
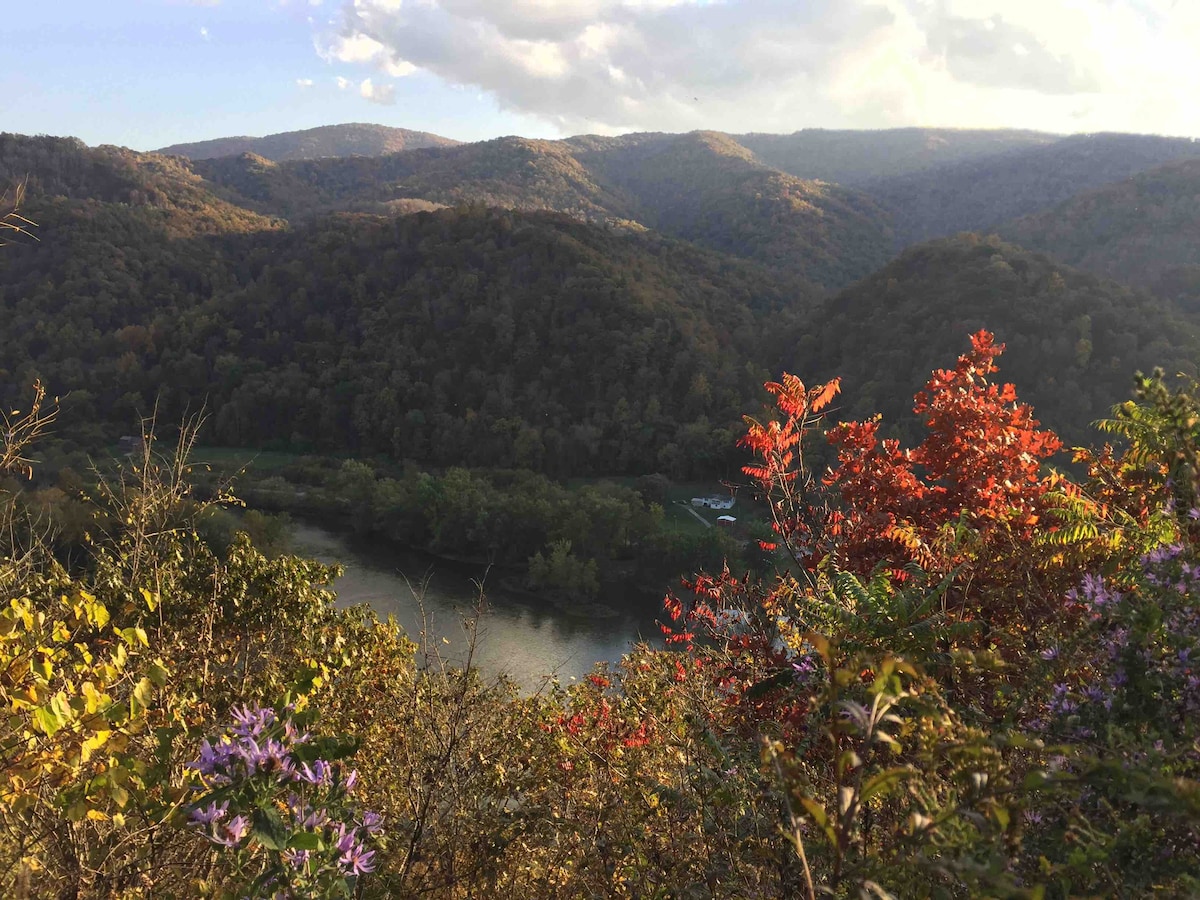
{"x":818,"y":814}
{"x":883,"y":782}
{"x":142,"y":694}
{"x":42,"y":668}
{"x":47,"y":720}
{"x":158,"y":674}
{"x":816,"y":810}
{"x":98,"y":613}
{"x":269,"y":830}
{"x":305,"y":840}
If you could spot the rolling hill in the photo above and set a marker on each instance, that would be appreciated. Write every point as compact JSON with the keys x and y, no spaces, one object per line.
{"x":471,"y":335}
{"x":1074,"y":340}
{"x":702,"y":187}
{"x":1144,"y":231}
{"x":977,"y":195}
{"x":354,"y":139}
{"x":854,"y":158}
{"x":591,"y":305}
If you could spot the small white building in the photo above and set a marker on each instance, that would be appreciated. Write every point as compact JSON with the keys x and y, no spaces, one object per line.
{"x":725,"y":520}
{"x":714,"y":502}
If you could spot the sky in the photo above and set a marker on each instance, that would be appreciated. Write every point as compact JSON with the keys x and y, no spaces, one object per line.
{"x":149,"y":73}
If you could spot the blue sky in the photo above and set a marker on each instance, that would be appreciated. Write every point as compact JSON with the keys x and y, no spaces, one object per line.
{"x":141,"y":73}
{"x":147,"y":73}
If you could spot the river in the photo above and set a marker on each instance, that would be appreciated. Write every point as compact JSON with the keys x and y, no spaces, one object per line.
{"x":521,"y":637}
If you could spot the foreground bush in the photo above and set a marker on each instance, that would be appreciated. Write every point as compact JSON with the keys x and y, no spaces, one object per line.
{"x":972,"y":676}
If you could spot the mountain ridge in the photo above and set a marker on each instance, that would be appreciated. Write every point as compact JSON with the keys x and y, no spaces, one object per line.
{"x":347,"y":139}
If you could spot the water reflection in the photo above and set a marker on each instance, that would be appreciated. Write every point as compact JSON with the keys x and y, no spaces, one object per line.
{"x":528,"y":640}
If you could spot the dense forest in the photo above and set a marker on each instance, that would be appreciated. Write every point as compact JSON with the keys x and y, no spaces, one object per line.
{"x":978,"y":194}
{"x":1143,"y":231}
{"x":702,"y":187}
{"x":569,"y":343}
{"x":1073,"y":339}
{"x":461,"y":337}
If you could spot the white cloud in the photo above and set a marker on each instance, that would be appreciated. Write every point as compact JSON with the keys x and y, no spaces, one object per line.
{"x":344,"y":83}
{"x":204,"y":32}
{"x":377,"y":93}
{"x":304,"y":82}
{"x":361,"y":49}
{"x":587,"y":65}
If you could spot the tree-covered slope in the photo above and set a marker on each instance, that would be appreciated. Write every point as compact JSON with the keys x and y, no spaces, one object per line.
{"x":353,"y":139}
{"x":161,"y":192}
{"x":1073,"y":340}
{"x":856,"y":157}
{"x":706,"y":188}
{"x":978,"y":194}
{"x":1144,"y":231}
{"x":491,"y":338}
{"x":514,"y":173}
{"x":465,"y":336}
{"x":702,"y":187}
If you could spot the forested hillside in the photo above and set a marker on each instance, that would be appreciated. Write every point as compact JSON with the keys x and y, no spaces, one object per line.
{"x":63,"y":176}
{"x":354,"y":139}
{"x":701,"y":187}
{"x":855,"y":158}
{"x":1073,"y":340}
{"x":976,"y":195}
{"x":1143,"y":231}
{"x":585,"y":341}
{"x":469,"y":336}
{"x":515,"y":173}
{"x":706,"y":188}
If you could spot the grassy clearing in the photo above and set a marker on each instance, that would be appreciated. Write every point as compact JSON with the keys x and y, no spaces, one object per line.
{"x":234,"y":459}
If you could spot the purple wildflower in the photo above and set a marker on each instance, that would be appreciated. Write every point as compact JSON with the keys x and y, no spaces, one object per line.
{"x":273,"y":756}
{"x":251,"y":721}
{"x":297,"y":859}
{"x":372,"y":821}
{"x":318,"y":773}
{"x":231,"y":833}
{"x":209,"y":814}
{"x":293,"y":734}
{"x":358,"y":861}
{"x":316,"y":818}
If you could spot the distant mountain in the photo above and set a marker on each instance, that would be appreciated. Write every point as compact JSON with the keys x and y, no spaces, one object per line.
{"x":511,"y":172}
{"x":158,"y":192}
{"x":354,"y":139}
{"x":707,"y":188}
{"x":467,"y":336}
{"x":1073,"y":340}
{"x":858,"y":157}
{"x":702,"y":187}
{"x":579,"y":310}
{"x":978,"y":194}
{"x":1144,"y":231}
